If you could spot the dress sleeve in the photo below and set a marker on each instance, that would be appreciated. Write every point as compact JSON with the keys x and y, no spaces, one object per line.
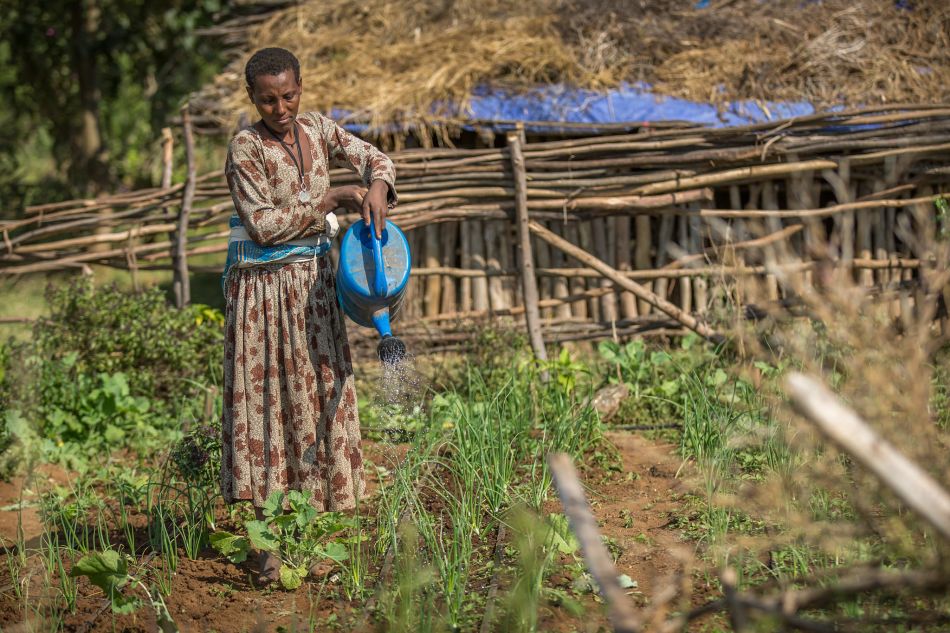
{"x":265,"y":223}
{"x":351,"y":152}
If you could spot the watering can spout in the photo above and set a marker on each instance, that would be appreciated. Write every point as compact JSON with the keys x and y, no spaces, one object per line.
{"x":390,"y":349}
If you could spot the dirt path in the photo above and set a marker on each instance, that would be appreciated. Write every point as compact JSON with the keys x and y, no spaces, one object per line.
{"x":633,"y":508}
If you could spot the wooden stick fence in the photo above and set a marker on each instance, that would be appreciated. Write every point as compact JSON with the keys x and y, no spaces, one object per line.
{"x":663,"y":220}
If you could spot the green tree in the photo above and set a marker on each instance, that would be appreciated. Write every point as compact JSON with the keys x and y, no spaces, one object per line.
{"x":90,"y":83}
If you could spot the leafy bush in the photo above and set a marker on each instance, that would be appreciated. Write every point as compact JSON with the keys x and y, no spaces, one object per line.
{"x":106,"y":369}
{"x":162,"y":351}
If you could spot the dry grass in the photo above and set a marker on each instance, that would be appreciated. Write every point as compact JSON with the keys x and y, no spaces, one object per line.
{"x":884,"y":367}
{"x":403,"y":62}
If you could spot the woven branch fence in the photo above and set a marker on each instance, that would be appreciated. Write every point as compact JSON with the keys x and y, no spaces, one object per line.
{"x":626,"y":233}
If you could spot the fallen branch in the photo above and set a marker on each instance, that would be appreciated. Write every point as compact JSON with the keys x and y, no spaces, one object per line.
{"x":912,"y":485}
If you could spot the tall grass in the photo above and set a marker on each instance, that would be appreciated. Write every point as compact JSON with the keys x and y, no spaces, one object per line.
{"x":479,"y":454}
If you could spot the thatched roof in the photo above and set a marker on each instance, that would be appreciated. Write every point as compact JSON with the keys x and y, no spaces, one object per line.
{"x":417,"y":63}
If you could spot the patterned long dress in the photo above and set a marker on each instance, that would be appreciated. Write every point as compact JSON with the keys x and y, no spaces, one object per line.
{"x":290,"y":418}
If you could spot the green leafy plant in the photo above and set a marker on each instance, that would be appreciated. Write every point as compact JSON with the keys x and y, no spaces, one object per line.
{"x":296,"y":535}
{"x":109,"y":570}
{"x":103,"y":413}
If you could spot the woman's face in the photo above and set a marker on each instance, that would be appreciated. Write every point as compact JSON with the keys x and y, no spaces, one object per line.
{"x":277,"y":99}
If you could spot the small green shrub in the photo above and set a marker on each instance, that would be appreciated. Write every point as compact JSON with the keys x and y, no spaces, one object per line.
{"x":298,"y":536}
{"x":162,"y":351}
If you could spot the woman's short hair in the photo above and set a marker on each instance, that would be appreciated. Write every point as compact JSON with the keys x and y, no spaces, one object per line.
{"x":270,"y":61}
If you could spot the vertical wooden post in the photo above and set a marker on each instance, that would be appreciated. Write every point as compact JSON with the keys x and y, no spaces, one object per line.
{"x":168,"y":145}
{"x":181,"y":283}
{"x":433,"y":283}
{"x":542,"y":252}
{"x":685,"y":285}
{"x":415,"y":294}
{"x":642,"y":258}
{"x":665,"y":235}
{"x":700,"y":284}
{"x":479,"y":284}
{"x":505,"y":260}
{"x":608,"y":302}
{"x":628,"y":302}
{"x":528,"y":280}
{"x":450,"y":236}
{"x":576,"y":284}
{"x":561,"y":290}
{"x":496,"y":298}
{"x":465,"y":258}
{"x":770,"y":202}
{"x":585,"y":229}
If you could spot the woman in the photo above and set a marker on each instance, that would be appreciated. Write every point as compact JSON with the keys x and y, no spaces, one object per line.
{"x":290,"y":418}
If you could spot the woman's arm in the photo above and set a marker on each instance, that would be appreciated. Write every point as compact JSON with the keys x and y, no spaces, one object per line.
{"x":266,"y":224}
{"x":373,"y":166}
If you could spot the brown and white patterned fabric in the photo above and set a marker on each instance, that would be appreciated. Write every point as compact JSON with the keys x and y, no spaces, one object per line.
{"x":290,"y":417}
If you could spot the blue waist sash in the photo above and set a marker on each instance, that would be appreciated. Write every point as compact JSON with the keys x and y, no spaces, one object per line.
{"x":243,"y":251}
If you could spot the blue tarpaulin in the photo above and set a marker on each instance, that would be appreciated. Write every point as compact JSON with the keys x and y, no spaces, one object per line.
{"x":628,"y":104}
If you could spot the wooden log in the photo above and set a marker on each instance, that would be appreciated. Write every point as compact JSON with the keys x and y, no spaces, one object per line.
{"x":669,"y":272}
{"x":685,"y":284}
{"x":496,"y":296}
{"x":587,"y":244}
{"x":664,"y":236}
{"x":660,"y":304}
{"x":642,"y":255}
{"x":168,"y":146}
{"x":480,"y":299}
{"x":507,"y":257}
{"x":449,"y":243}
{"x":528,"y":280}
{"x":908,"y":481}
{"x":465,"y":258}
{"x":52,"y":248}
{"x":731,"y":176}
{"x":542,"y":255}
{"x":863,"y":246}
{"x":433,"y":285}
{"x":700,"y":285}
{"x":417,"y":290}
{"x":623,"y":255}
{"x":576,"y":285}
{"x":561,"y":284}
{"x":182,"y":283}
{"x":622,"y":616}
{"x":608,"y":302}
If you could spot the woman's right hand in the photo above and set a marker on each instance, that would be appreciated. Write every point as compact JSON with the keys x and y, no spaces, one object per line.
{"x":349,"y":197}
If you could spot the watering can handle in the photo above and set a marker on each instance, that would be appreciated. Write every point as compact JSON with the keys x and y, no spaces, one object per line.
{"x":379,"y":276}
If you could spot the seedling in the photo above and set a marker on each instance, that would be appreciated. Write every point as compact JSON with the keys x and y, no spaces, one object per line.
{"x":294,"y":535}
{"x":109,"y":570}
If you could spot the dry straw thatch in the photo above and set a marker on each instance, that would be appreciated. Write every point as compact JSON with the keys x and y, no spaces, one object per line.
{"x":405,"y":62}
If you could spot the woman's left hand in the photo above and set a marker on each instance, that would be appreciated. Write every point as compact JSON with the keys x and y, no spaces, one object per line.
{"x":375,"y":205}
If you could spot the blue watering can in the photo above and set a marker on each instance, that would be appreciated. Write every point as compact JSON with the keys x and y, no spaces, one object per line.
{"x":371,"y":281}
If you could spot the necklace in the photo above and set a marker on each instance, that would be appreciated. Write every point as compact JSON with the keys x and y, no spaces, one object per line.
{"x":304,"y":195}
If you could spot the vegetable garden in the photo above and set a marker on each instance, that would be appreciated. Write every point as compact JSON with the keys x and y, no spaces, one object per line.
{"x":699,"y":484}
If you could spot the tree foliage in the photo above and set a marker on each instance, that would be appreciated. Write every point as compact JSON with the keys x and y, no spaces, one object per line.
{"x":89,"y":85}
